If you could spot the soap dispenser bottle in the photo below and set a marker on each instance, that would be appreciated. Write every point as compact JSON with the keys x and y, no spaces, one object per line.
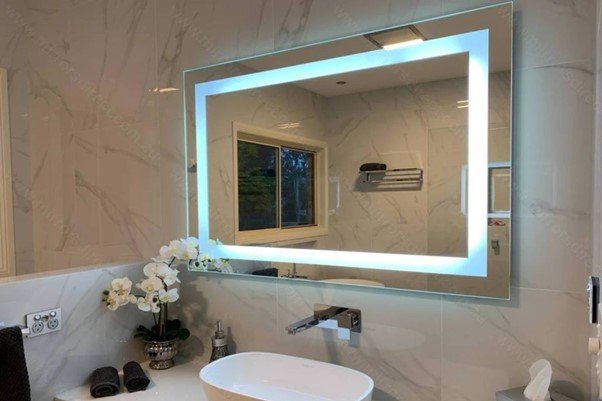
{"x":219,"y":343}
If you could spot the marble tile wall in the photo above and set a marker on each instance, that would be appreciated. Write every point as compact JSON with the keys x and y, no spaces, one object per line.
{"x":91,"y":336}
{"x":128,"y":150}
{"x":401,"y":129}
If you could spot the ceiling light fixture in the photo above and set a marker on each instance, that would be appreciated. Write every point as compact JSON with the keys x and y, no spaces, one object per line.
{"x":396,"y":38}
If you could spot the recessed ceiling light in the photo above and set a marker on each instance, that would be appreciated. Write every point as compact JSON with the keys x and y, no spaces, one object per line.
{"x":341,"y":82}
{"x":396,"y":38}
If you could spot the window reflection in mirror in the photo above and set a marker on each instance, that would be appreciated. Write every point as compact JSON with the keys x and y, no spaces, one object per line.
{"x":297,"y":187}
{"x":257,"y":186}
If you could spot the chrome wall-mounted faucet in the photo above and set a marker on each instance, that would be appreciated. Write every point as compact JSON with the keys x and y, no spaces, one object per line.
{"x":344,"y":320}
{"x":294,"y":273}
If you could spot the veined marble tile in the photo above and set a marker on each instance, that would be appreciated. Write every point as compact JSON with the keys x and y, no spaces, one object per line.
{"x":130,"y":199}
{"x":198,"y":33}
{"x":489,"y":345}
{"x":247,"y":309}
{"x":399,"y":350}
{"x":174,"y":180}
{"x":552,"y":195}
{"x":302,"y":22}
{"x":96,"y":60}
{"x":547,"y":32}
{"x":550,"y":251}
{"x":400,"y":238}
{"x":92,"y":336}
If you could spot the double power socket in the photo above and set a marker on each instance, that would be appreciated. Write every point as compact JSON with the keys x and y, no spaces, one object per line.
{"x":44,"y":322}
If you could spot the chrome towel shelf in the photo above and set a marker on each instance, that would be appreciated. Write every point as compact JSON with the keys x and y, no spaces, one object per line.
{"x":397,"y":176}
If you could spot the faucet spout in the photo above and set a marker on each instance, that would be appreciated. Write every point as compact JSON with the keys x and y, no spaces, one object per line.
{"x":330,"y":317}
{"x":302,"y":325}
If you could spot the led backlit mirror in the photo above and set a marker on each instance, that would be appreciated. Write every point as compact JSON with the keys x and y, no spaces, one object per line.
{"x":380,"y":159}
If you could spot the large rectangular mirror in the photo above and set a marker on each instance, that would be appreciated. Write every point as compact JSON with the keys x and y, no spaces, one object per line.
{"x":380,"y":159}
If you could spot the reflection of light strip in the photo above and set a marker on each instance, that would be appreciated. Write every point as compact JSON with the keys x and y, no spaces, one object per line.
{"x":163,"y":90}
{"x":399,"y":45}
{"x":288,"y":125}
{"x":476,"y":44}
{"x":462,"y":104}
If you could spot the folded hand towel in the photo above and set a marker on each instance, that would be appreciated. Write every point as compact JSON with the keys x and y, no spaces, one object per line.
{"x":134,"y":377}
{"x":105,"y":382}
{"x":14,"y":380}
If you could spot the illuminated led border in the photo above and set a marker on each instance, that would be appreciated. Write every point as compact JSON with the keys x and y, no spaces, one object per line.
{"x":476,"y":44}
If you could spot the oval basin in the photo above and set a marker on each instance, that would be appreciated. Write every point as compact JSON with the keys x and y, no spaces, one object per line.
{"x":274,"y":377}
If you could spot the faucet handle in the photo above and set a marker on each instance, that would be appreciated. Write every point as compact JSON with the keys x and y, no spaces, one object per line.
{"x":351,"y":319}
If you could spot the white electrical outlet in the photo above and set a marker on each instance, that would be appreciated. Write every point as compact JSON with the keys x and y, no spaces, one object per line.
{"x":44,"y":322}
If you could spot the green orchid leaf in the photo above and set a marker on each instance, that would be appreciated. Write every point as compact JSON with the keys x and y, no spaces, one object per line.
{"x":173,"y":324}
{"x":183,"y":334}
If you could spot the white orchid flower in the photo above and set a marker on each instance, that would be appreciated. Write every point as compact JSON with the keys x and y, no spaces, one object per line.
{"x":156,"y":269}
{"x":143,"y":304}
{"x":121,"y":285}
{"x":189,"y":249}
{"x":148,"y":303}
{"x":160,"y":259}
{"x":151,"y":285}
{"x":171,"y":277}
{"x":223,"y":266}
{"x":112,"y":302}
{"x":169,"y":296}
{"x":119,"y":293}
{"x":170,"y":251}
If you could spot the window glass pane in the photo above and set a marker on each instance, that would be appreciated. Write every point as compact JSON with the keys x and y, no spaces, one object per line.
{"x":257,"y":186}
{"x":297,"y":194}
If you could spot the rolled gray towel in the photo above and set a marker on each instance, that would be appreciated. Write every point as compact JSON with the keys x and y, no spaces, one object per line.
{"x":134,"y":377}
{"x":105,"y":382}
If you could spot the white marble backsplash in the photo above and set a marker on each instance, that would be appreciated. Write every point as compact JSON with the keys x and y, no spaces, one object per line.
{"x":129,"y":153}
{"x":91,"y":335}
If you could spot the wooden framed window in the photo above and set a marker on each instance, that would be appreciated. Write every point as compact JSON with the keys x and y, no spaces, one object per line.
{"x":280,"y":186}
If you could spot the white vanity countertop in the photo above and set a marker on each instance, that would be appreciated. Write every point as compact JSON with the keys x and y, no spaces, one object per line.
{"x":180,"y":383}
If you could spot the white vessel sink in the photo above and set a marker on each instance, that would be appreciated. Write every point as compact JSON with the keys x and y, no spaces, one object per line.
{"x":274,"y":377}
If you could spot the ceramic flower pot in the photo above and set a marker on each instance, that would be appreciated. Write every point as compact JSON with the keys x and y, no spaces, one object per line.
{"x":161,"y":353}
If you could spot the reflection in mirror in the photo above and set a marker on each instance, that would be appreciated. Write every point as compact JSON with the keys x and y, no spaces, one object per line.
{"x":374,"y":160}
